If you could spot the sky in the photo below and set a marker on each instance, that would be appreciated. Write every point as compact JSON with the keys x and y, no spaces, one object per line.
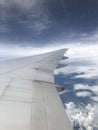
{"x":29,"y":27}
{"x":26,"y":25}
{"x":80,"y":78}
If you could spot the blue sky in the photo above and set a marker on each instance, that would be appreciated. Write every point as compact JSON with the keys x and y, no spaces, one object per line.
{"x":42,"y":23}
{"x":80,"y":78}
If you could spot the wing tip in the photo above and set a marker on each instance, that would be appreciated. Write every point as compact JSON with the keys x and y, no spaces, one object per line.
{"x":64,"y":50}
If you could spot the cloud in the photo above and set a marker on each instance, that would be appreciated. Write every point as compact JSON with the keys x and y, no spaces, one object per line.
{"x":91,"y":38}
{"x":86,"y":37}
{"x":83,"y":94}
{"x":13,"y":51}
{"x":81,"y":86}
{"x":82,"y":50}
{"x":87,"y":91}
{"x":89,"y":73}
{"x":43,"y":21}
{"x":87,"y":87}
{"x":95,"y":98}
{"x":27,"y":13}
{"x":82,"y":58}
{"x":4,"y":28}
{"x":83,"y":117}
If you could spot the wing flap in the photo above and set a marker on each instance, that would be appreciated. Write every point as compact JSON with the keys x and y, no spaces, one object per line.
{"x":49,"y":108}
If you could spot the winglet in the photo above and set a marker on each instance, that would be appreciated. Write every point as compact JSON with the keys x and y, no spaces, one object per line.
{"x":47,"y":65}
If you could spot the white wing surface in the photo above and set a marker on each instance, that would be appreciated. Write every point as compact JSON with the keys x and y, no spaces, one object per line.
{"x":28,"y":96}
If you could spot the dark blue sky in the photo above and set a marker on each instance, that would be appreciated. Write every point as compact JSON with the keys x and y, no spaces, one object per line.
{"x":42,"y":22}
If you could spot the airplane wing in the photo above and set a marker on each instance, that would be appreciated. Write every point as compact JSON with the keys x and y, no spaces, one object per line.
{"x":28,"y":96}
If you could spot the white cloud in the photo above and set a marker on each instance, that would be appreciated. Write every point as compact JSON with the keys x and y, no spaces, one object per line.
{"x":82,"y":58}
{"x":95,"y":98}
{"x":87,"y":87}
{"x":94,"y":89}
{"x":9,"y":50}
{"x":83,"y":94}
{"x":83,"y":117}
{"x":80,"y":50}
{"x":81,"y":86}
{"x":78,"y":62}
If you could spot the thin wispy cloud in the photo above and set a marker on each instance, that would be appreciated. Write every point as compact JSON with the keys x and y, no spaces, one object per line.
{"x":90,"y":38}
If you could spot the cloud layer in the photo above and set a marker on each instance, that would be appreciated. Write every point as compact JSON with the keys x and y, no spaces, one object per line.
{"x":82,"y":58}
{"x":44,"y":22}
{"x":81,"y":77}
{"x":23,"y":20}
{"x":83,"y":117}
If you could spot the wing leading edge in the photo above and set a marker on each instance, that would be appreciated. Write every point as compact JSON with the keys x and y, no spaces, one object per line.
{"x":28,"y":97}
